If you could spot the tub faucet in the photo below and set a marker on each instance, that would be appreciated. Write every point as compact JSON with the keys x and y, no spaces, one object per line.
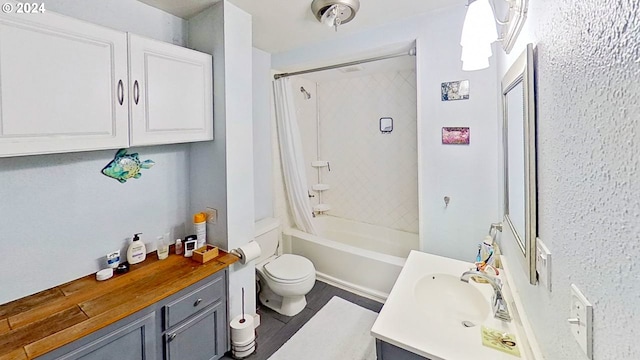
{"x":500,"y":309}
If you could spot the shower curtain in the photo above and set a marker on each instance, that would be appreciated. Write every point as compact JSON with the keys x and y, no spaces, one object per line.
{"x":293,"y":164}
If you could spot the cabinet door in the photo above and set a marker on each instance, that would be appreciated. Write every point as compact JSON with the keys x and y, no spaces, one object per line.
{"x":170,"y":93}
{"x":135,"y":341}
{"x":62,"y":85}
{"x":201,"y":338}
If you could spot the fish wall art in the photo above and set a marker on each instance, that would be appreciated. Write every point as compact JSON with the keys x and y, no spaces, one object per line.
{"x":126,"y":166}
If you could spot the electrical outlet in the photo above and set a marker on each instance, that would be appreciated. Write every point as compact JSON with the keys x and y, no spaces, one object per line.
{"x":581,"y":320}
{"x":212,"y":215}
{"x":543,"y":264}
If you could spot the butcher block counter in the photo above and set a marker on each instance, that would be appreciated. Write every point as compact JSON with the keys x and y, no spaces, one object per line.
{"x":45,"y":321}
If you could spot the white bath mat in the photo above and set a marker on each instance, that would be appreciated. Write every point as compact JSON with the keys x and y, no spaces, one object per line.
{"x":339,"y":331}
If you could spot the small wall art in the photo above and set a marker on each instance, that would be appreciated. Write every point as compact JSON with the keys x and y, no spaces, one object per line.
{"x":455,"y":135}
{"x":455,"y":90}
{"x":126,"y":166}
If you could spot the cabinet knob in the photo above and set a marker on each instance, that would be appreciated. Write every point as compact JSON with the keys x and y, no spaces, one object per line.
{"x":171,"y":337}
{"x":197,"y":302}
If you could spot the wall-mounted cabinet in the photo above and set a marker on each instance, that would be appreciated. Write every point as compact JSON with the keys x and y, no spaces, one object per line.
{"x":67,"y":85}
{"x":62,"y":85}
{"x":171,"y":93}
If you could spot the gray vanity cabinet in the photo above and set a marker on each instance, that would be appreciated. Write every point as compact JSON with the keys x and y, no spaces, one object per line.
{"x":386,"y":351}
{"x":195,"y":323}
{"x":132,"y":340}
{"x":188,"y":325}
{"x":199,"y":338}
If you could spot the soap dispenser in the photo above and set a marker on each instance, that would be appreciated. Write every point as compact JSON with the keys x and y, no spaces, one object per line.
{"x":137,"y":251}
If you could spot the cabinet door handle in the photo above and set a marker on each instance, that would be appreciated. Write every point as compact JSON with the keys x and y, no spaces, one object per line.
{"x":120,"y":92}
{"x":136,"y":92}
{"x":197,"y":302}
{"x":171,"y":337}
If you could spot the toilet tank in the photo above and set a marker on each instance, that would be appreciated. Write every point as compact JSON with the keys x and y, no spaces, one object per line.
{"x":267,"y":235}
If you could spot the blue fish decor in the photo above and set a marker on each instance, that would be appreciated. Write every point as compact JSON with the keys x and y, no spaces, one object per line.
{"x":126,"y":166}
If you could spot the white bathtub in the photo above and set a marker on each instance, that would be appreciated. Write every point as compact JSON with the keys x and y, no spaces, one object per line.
{"x":363,"y":258}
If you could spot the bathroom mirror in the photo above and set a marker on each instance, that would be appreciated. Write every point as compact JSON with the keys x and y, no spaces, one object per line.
{"x":519,"y":146}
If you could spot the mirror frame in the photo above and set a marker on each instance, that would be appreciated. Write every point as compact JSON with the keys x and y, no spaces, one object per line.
{"x":522,"y":71}
{"x":517,"y":15}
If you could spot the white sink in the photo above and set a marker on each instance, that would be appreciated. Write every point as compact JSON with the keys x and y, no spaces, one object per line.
{"x":446,"y":297}
{"x":430,"y":312}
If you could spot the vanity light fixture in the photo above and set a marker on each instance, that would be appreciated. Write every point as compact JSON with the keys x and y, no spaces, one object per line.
{"x":479,"y":31}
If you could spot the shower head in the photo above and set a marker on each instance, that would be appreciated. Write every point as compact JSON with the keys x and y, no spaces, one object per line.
{"x":307,"y":95}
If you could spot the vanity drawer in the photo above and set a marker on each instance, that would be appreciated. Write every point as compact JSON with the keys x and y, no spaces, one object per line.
{"x":194,"y":301}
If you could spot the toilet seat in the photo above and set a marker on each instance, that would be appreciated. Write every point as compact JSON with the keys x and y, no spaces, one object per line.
{"x":289,"y":268}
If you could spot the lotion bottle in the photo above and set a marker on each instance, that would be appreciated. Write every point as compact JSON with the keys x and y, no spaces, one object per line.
{"x":137,"y":251}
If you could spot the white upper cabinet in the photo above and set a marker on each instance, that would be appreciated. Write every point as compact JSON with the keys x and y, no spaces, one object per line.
{"x":170,"y":94}
{"x":63,"y":85}
{"x":68,"y":85}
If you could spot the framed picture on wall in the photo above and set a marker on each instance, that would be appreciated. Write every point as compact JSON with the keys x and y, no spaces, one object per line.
{"x":455,"y":135}
{"x":455,"y":90}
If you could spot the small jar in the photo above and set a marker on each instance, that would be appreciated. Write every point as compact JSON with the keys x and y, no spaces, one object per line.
{"x":179,"y":247}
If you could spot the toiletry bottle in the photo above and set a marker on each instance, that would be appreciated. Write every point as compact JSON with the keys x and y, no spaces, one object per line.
{"x":486,"y":251}
{"x":137,"y":251}
{"x":113,"y":259}
{"x":162,"y":248}
{"x":200,"y":227}
{"x":178,"y":247}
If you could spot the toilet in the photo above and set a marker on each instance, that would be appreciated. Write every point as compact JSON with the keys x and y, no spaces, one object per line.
{"x":285,"y":279}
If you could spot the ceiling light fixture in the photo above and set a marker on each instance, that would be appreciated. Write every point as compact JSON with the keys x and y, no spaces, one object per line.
{"x":335,"y":12}
{"x":479,"y":31}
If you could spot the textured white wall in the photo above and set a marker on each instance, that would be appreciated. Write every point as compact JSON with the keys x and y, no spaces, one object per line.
{"x":588,"y":66}
{"x":468,"y":174}
{"x":61,"y":213}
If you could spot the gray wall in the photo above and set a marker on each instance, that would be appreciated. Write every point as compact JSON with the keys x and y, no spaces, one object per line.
{"x":588,"y":171}
{"x":59,"y":215}
{"x":224,"y":167}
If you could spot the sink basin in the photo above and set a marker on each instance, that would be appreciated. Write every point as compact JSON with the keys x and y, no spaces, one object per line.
{"x":446,"y":297}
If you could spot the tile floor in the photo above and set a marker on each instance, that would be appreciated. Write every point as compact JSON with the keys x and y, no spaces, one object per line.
{"x":276,"y":329}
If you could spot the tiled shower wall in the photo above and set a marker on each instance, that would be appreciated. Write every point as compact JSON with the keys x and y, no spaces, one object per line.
{"x":374,"y":176}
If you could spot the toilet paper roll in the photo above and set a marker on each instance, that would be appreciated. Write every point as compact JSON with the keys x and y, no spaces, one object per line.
{"x":249,"y":252}
{"x":242,"y":332}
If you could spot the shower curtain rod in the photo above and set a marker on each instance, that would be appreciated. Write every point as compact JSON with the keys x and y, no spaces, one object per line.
{"x":411,"y":52}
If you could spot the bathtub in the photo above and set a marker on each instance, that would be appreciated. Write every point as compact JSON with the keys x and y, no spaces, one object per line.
{"x":363,"y":258}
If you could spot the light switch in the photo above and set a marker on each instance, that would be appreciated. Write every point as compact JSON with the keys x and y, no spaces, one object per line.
{"x":581,"y":321}
{"x":543,"y":264}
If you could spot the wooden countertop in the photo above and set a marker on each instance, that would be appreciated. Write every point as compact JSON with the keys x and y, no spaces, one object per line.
{"x":42,"y":322}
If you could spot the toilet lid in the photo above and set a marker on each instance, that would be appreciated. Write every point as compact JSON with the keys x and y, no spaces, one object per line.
{"x":289,"y":267}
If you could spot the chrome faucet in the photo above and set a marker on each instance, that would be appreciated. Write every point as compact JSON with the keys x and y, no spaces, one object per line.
{"x":500,"y":309}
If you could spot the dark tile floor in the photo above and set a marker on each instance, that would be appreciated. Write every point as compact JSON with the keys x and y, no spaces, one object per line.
{"x":276,"y":329}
